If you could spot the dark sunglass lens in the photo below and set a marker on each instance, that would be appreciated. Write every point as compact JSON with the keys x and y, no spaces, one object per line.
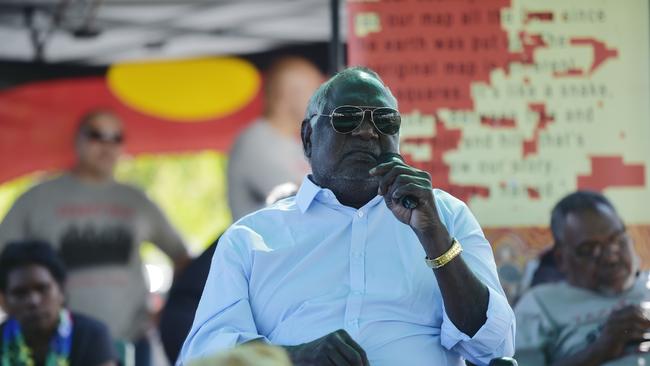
{"x":346,"y":119}
{"x":95,"y":135}
{"x":387,"y":120}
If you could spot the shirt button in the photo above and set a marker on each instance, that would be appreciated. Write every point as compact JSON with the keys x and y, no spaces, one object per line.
{"x":360,"y":213}
{"x":353,"y":322}
{"x":356,"y":292}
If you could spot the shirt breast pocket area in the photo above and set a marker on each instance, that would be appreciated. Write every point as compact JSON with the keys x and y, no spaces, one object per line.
{"x":404,"y":290}
{"x":290,"y":287}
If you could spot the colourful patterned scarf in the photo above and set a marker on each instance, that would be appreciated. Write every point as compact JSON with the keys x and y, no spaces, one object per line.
{"x":16,"y":353}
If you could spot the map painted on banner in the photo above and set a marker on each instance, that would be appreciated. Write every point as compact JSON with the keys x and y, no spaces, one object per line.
{"x":513,"y":104}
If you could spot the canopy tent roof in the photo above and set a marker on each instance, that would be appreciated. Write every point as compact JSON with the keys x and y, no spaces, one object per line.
{"x":101,"y":32}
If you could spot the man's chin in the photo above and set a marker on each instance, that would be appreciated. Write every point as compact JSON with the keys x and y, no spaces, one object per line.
{"x":36,"y":324}
{"x":616,"y":284}
{"x":350,"y":179}
{"x":362,"y":184}
{"x":363,"y":180}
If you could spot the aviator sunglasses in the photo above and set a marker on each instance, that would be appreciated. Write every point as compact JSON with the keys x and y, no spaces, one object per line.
{"x":347,"y":118}
{"x":114,"y":138}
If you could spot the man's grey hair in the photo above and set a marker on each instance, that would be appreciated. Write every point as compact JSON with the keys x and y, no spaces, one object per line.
{"x":318,"y":100}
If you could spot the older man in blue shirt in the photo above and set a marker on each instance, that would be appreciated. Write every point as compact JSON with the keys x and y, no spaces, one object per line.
{"x":363,"y":265}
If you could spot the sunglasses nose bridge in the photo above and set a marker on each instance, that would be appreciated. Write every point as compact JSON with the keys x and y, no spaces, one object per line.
{"x":367,"y":124}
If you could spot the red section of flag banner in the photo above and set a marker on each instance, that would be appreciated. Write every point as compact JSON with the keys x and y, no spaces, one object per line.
{"x":38,"y":121}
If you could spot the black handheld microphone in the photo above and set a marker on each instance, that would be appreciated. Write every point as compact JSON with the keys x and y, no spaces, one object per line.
{"x":408,"y":201}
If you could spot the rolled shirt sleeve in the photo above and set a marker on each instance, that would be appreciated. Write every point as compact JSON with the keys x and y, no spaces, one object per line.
{"x":496,"y":337}
{"x":223,"y":318}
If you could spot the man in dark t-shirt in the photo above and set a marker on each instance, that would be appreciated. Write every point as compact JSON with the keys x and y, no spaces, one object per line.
{"x":31,"y":292}
{"x":91,"y":344}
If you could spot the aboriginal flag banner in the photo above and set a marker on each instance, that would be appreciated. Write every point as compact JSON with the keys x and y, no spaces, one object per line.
{"x":167,"y":106}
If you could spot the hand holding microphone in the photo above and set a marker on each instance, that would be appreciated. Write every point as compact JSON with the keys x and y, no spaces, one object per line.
{"x":407,"y":201}
{"x":407,"y":191}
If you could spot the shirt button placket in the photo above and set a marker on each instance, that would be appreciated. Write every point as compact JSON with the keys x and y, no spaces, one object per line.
{"x":357,"y":271}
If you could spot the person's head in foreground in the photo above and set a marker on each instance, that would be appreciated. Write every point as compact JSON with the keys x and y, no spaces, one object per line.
{"x":38,"y":330}
{"x":98,"y":143}
{"x":600,"y":313}
{"x":252,"y":354}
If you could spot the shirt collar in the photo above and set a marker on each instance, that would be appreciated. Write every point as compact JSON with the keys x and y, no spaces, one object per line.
{"x":309,"y":191}
{"x":306,"y":194}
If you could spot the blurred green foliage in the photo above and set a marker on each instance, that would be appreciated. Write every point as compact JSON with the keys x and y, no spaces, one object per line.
{"x":190,"y":188}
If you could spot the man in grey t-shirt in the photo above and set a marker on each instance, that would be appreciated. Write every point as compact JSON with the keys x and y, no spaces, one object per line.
{"x":269,"y":152}
{"x":97,"y":225}
{"x":599,"y":316}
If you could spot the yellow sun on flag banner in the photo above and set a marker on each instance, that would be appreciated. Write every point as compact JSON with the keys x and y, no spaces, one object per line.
{"x":186,"y":90}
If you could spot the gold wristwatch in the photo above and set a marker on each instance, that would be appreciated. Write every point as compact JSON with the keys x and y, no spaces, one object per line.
{"x":446,"y":257}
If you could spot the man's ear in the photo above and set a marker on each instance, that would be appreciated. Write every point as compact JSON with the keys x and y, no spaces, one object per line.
{"x":305,"y":136}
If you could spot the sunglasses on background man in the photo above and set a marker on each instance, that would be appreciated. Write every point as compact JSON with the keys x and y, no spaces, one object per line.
{"x":99,"y":136}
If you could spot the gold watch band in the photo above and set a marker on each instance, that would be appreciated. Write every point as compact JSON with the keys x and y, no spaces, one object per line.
{"x":446,"y":257}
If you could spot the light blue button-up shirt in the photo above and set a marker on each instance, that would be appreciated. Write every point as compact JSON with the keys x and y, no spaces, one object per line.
{"x":307,"y":266}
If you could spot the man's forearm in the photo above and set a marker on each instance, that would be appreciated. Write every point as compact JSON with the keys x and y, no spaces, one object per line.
{"x":465,"y":297}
